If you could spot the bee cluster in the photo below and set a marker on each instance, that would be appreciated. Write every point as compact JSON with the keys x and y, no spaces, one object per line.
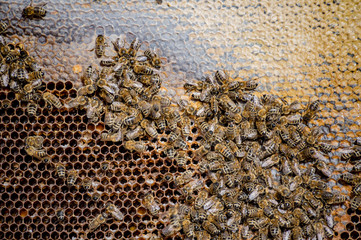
{"x":353,"y":155}
{"x":20,"y":72}
{"x":125,"y":91}
{"x":262,"y":170}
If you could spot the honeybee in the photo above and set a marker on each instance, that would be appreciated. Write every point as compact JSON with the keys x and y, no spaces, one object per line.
{"x":3,"y":26}
{"x":60,"y":214}
{"x":337,"y":199}
{"x":225,"y":151}
{"x":188,"y":228}
{"x":322,"y":167}
{"x":319,"y":230}
{"x":211,"y":228}
{"x":97,"y":221}
{"x":51,"y":99}
{"x":355,"y":202}
{"x":134,"y":133}
{"x":72,"y":177}
{"x":60,"y":170}
{"x":170,"y":151}
{"x":184,"y":178}
{"x":153,"y":58}
{"x":40,"y":154}
{"x":94,"y":108}
{"x":186,"y":125}
{"x":142,"y":69}
{"x":259,"y":223}
{"x":100,"y":46}
{"x":299,"y":213}
{"x":138,"y":146}
{"x":112,"y":137}
{"x":32,"y":108}
{"x":111,"y":209}
{"x":151,"y":204}
{"x":149,"y":128}
{"x":180,"y":143}
{"x":87,"y":183}
{"x":200,"y":199}
{"x":34,"y":11}
{"x":311,"y":110}
{"x":181,"y":158}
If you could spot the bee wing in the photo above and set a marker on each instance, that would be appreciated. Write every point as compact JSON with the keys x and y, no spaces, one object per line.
{"x":5,"y":80}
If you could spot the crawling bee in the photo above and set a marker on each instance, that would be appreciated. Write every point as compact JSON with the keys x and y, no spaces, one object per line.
{"x":149,"y":128}
{"x":132,"y":145}
{"x":37,"y":153}
{"x":151,"y":204}
{"x":111,"y":209}
{"x":100,"y":46}
{"x":72,"y":177}
{"x":311,"y":111}
{"x":32,"y":12}
{"x":52,"y":100}
{"x":32,"y":108}
{"x":142,"y":69}
{"x":87,"y":183}
{"x":97,"y":221}
{"x":3,"y":26}
{"x":153,"y":58}
{"x":184,"y":178}
{"x":134,"y":47}
{"x":112,"y":137}
{"x":60,"y":170}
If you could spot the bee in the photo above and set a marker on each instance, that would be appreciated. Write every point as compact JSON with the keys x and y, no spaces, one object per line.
{"x":151,"y":204}
{"x":181,"y":158}
{"x":35,"y":75}
{"x":87,"y":183}
{"x":60,"y":214}
{"x":328,"y":231}
{"x":94,"y":108}
{"x":297,"y":233}
{"x":299,"y":213}
{"x":200,"y":200}
{"x":34,"y":11}
{"x":259,"y":223}
{"x":222,"y":77}
{"x":225,"y":151}
{"x":184,"y":178}
{"x":134,"y":47}
{"x":132,"y":145}
{"x":5,"y":103}
{"x":145,"y":108}
{"x":134,"y":133}
{"x":211,"y":228}
{"x":349,"y":178}
{"x":337,"y":199}
{"x":188,"y":228}
{"x":180,"y":143}
{"x":3,"y":26}
{"x":161,"y":123}
{"x":37,"y":153}
{"x":60,"y":170}
{"x":112,"y":137}
{"x":142,"y":69}
{"x":311,"y":110}
{"x":153,"y":58}
{"x":170,"y":151}
{"x":97,"y":221}
{"x":274,"y":228}
{"x":319,"y":230}
{"x":149,"y":128}
{"x":72,"y":177}
{"x":355,"y":203}
{"x":32,"y":108}
{"x":100,"y":46}
{"x":111,"y":209}
{"x":259,"y":189}
{"x":51,"y":99}
{"x":322,"y":167}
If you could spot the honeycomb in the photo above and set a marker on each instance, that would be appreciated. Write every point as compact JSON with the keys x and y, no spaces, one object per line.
{"x":297,"y":49}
